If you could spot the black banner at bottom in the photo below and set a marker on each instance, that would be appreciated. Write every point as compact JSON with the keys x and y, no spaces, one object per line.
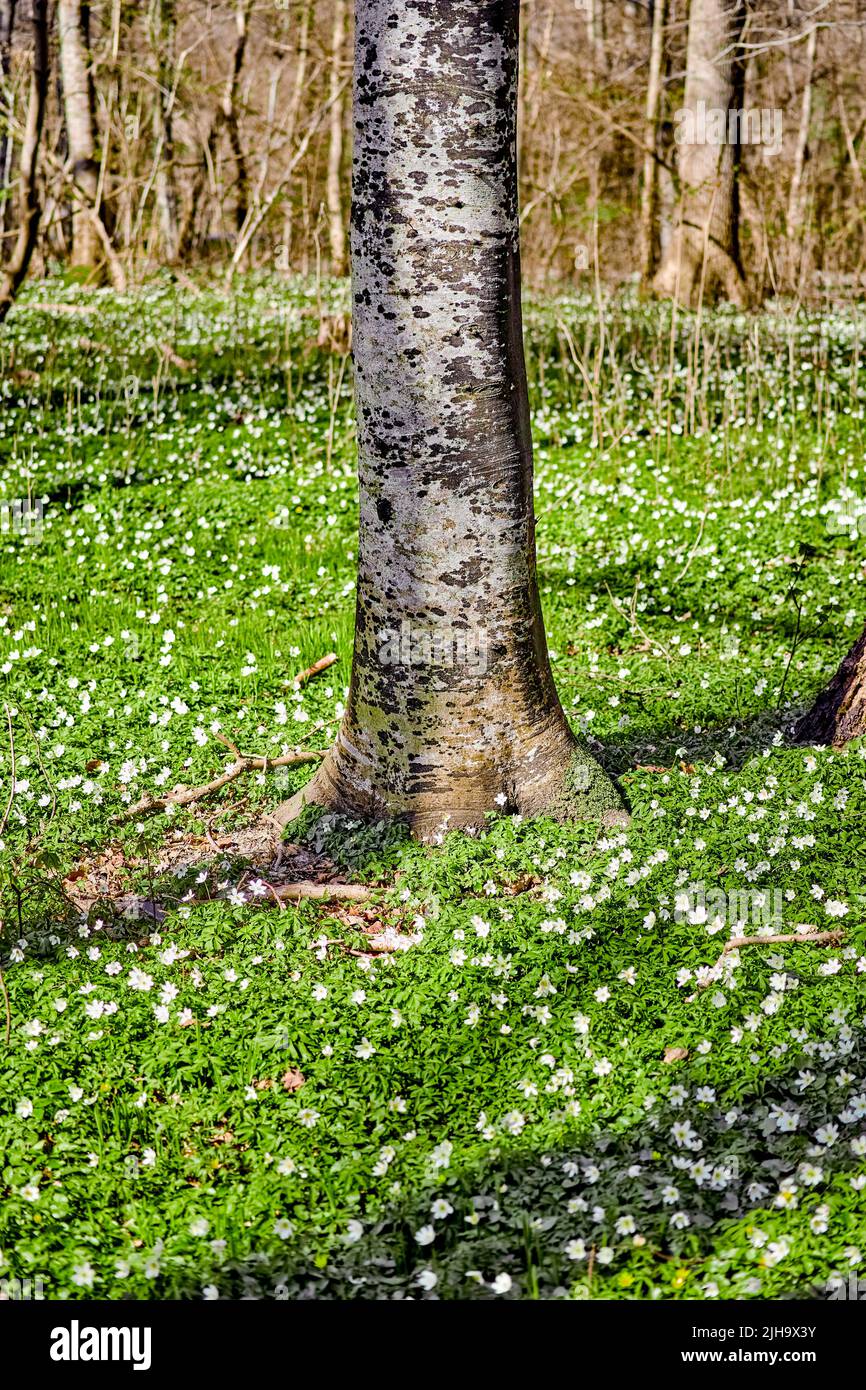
{"x":83,"y":1340}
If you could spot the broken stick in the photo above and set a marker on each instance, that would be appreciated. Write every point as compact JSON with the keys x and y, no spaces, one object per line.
{"x":321,"y":665}
{"x":294,"y":892}
{"x":183,"y":796}
{"x":812,"y":938}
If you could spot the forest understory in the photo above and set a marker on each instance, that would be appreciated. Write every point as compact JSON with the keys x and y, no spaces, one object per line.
{"x":523,"y":1063}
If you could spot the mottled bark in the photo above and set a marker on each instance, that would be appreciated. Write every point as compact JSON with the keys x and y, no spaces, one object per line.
{"x":452,"y":711}
{"x":702,"y":260}
{"x":839,"y":713}
{"x":72,"y":23}
{"x":15,"y":270}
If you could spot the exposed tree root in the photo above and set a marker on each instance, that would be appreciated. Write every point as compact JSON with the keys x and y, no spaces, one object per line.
{"x":294,"y":892}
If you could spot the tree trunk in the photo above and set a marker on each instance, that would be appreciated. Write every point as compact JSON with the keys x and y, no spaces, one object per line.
{"x":230,"y":116}
{"x":452,"y":711}
{"x":7,"y":24}
{"x":15,"y":270}
{"x":703,"y":258}
{"x":649,"y":183}
{"x":796,"y":200}
{"x":73,"y":24}
{"x":224,"y":114}
{"x":163,"y":33}
{"x":839,"y":713}
{"x":594,"y":12}
{"x":333,"y":192}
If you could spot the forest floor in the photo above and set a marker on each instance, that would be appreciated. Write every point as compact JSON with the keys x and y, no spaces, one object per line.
{"x":523,"y":1067}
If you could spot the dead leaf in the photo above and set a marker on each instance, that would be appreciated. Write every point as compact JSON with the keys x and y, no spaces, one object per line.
{"x":675,"y":1054}
{"x":292,"y":1080}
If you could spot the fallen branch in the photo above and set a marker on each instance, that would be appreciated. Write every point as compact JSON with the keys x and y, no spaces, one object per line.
{"x":183,"y":796}
{"x":321,"y":665}
{"x":294,"y":892}
{"x":810,"y":938}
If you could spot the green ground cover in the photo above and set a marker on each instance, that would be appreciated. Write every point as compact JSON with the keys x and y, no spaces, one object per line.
{"x":495,"y":1110}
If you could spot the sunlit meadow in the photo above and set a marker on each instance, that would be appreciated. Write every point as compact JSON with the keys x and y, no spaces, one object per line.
{"x":551,"y":1083}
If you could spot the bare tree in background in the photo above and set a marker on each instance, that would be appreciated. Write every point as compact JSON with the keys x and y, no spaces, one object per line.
{"x":162,"y":25}
{"x":703,"y":258}
{"x":649,"y":182}
{"x":13,"y":272}
{"x":220,"y":131}
{"x":7,"y":24}
{"x":336,"y":225}
{"x":796,"y":196}
{"x":73,"y":23}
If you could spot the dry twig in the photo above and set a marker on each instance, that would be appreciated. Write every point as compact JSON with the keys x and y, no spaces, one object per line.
{"x":810,"y":938}
{"x":183,"y":796}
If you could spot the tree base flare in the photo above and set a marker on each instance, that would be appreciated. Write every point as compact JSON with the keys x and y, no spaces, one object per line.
{"x":580,"y":792}
{"x":839,"y":713}
{"x":695,"y":273}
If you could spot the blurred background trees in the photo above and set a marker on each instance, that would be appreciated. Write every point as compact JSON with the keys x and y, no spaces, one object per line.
{"x":184,"y":132}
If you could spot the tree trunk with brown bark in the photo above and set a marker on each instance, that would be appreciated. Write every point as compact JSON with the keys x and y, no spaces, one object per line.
{"x":839,"y":713}
{"x":13,"y":273}
{"x":702,"y":261}
{"x":73,"y":25}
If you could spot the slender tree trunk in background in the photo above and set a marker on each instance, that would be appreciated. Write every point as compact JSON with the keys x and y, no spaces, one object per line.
{"x":336,"y":225}
{"x":230,"y":115}
{"x":796,"y":199}
{"x":13,"y":273}
{"x":163,"y":32}
{"x":452,"y":711}
{"x":302,"y":53}
{"x":839,"y":713}
{"x":7,"y":24}
{"x":224,"y":112}
{"x":649,"y":183}
{"x":594,"y":11}
{"x":73,"y":26}
{"x":703,"y":258}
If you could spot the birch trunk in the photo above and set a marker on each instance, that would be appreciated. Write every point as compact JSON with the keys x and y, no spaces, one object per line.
{"x":703,"y":258}
{"x":72,"y":23}
{"x":452,"y":711}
